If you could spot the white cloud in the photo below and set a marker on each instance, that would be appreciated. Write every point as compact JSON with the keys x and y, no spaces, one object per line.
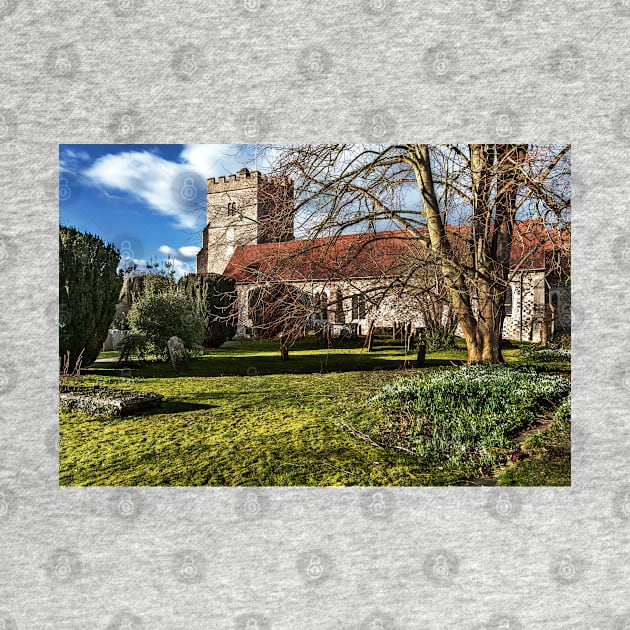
{"x":71,"y":161}
{"x":187,"y":251}
{"x":167,"y":251}
{"x":210,"y":159}
{"x":161,"y":183}
{"x":183,"y":268}
{"x":148,"y":178}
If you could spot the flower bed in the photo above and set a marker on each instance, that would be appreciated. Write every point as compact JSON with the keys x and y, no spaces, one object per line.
{"x":106,"y":401}
{"x":464,"y":415}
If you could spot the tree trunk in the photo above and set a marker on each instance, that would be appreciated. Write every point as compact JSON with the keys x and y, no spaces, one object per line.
{"x":284,"y":347}
{"x":370,"y":337}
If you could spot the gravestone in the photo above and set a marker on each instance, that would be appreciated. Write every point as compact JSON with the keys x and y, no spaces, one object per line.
{"x":178,"y":354}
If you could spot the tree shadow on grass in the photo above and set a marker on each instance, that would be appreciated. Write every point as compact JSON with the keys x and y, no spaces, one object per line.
{"x":168,"y":407}
{"x":211,"y":366}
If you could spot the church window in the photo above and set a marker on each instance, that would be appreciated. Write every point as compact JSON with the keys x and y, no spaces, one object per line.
{"x":361,"y":306}
{"x":358,"y":306}
{"x":507,"y":302}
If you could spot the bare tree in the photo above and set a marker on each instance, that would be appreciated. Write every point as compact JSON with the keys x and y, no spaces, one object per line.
{"x":469,"y":200}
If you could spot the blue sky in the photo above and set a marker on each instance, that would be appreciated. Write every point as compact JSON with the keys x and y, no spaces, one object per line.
{"x":149,"y":200}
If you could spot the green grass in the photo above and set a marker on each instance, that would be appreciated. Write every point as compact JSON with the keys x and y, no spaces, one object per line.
{"x":549,"y":455}
{"x":242,"y":416}
{"x":469,"y":416}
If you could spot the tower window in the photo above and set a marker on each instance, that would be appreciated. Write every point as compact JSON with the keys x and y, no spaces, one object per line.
{"x":231,"y":209}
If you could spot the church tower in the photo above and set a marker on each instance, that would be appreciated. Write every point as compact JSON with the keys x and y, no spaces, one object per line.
{"x":246,"y":208}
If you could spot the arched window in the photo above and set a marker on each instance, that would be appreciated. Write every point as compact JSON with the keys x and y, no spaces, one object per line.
{"x":507,"y":302}
{"x":231,"y":208}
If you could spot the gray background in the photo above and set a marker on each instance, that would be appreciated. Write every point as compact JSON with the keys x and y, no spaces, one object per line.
{"x":301,"y":71}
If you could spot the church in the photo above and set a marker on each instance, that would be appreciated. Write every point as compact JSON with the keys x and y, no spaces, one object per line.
{"x":356,"y":279}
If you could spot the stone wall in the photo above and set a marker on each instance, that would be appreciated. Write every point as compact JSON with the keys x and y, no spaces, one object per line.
{"x":388,"y":309}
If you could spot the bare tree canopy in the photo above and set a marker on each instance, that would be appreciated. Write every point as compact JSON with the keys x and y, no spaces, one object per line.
{"x":472,"y":209}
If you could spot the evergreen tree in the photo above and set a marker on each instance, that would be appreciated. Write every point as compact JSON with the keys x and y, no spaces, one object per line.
{"x":213,"y":297}
{"x":89,"y":286}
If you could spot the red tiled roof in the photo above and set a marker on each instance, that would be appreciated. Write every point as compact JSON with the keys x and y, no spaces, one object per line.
{"x":364,"y":255}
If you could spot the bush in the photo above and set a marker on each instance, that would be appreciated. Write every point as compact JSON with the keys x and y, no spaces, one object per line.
{"x":540,"y":354}
{"x":89,"y":286}
{"x":133,"y":346}
{"x":159,"y":313}
{"x":213,"y":297}
{"x":464,"y":415}
{"x":440,"y":339}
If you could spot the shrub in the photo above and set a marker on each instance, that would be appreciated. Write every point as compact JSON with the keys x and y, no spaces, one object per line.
{"x":133,"y":345}
{"x":462,"y":416}
{"x":540,"y":354}
{"x":213,"y":297}
{"x":563,"y":412}
{"x":159,"y":313}
{"x":440,"y":339}
{"x":89,"y":286}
